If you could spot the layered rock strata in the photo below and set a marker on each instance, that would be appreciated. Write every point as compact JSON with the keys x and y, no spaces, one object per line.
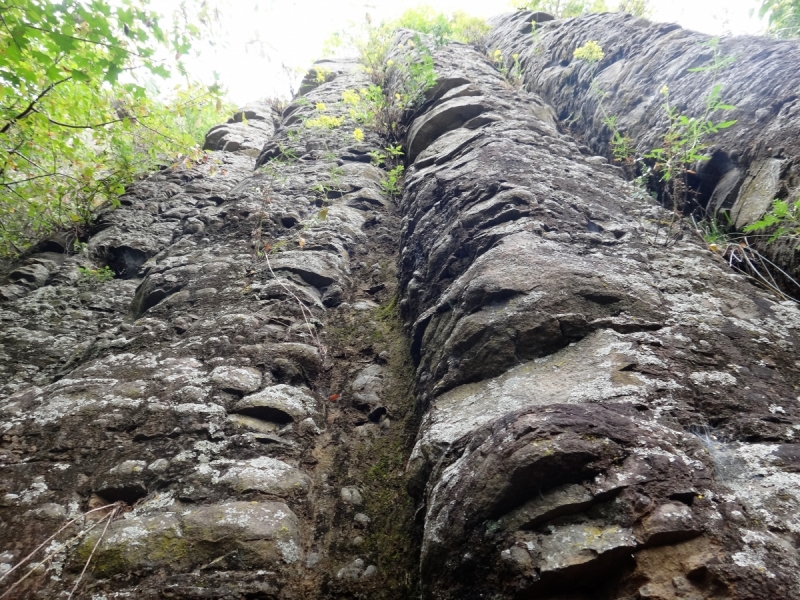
{"x":752,"y":162}
{"x":233,"y":405}
{"x":606,"y":415}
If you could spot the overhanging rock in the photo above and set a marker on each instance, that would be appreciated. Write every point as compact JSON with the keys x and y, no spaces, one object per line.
{"x":752,"y":162}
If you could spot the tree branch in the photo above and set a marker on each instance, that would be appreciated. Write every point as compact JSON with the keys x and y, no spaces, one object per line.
{"x":30,"y":108}
{"x":85,"y":40}
{"x":11,"y":184}
{"x":92,"y":126}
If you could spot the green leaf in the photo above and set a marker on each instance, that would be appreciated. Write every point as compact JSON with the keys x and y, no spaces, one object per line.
{"x":112,"y":73}
{"x":780,"y":208}
{"x":64,"y":43}
{"x":44,"y":41}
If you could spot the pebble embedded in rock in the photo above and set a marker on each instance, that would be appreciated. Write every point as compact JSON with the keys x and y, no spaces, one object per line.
{"x":370,"y":571}
{"x":351,"y":496}
{"x":361,"y":520}
{"x":239,"y":379}
{"x":353,"y":571}
{"x":159,"y":466}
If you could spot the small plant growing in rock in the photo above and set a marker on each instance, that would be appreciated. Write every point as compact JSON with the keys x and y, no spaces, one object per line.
{"x":685,"y":144}
{"x":686,"y":139}
{"x":536,"y":37}
{"x":324,"y":122}
{"x":365,"y":104}
{"x":511,"y":71}
{"x":393,"y":185}
{"x":399,"y":82}
{"x":394,"y":151}
{"x":783,"y":220}
{"x":97,"y":275}
{"x":622,"y":147}
{"x":321,"y":74}
{"x":591,"y":52}
{"x":377,"y":157}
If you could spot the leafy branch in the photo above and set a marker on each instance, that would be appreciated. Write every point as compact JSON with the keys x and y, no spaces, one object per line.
{"x":72,"y":135}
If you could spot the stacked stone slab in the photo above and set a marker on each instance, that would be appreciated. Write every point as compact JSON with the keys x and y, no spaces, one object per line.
{"x":605,"y":416}
{"x":752,"y":163}
{"x":194,"y":387}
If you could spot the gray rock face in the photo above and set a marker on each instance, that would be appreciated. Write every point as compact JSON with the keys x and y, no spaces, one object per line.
{"x":578,"y":380}
{"x":752,"y":162}
{"x":598,"y":416}
{"x":191,"y":389}
{"x":246,"y":132}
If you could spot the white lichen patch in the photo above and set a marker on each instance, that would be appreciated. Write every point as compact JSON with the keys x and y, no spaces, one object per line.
{"x":180,"y":372}
{"x":289,"y":550}
{"x":593,"y":365}
{"x":265,"y":474}
{"x":712,"y":378}
{"x":754,"y":475}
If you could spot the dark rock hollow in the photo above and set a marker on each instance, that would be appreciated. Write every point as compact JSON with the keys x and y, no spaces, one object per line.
{"x":499,"y":385}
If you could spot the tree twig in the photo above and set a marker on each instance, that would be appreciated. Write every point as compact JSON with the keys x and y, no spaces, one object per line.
{"x":29,"y":109}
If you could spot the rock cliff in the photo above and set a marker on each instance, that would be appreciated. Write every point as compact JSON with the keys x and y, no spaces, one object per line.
{"x":497,"y":384}
{"x":751,"y":163}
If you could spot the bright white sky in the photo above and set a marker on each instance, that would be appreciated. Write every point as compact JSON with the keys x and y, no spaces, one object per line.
{"x":292,"y":32}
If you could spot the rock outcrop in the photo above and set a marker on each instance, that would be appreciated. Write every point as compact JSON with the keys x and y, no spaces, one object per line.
{"x":603,"y":414}
{"x":206,"y":387}
{"x":500,"y":384}
{"x":751,"y":164}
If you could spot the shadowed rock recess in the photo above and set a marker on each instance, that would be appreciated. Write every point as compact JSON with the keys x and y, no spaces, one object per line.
{"x":491,"y":387}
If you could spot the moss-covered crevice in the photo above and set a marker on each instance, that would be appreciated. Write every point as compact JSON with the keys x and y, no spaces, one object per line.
{"x":375,"y":464}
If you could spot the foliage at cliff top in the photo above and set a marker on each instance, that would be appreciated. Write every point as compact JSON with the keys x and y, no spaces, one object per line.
{"x":78,"y":113}
{"x":399,"y":82}
{"x":783,"y":17}
{"x":373,"y":41}
{"x":562,"y":9}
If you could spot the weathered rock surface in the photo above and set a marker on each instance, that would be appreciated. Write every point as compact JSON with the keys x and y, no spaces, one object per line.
{"x":246,"y":132}
{"x":752,"y":163}
{"x":193,"y":388}
{"x":600,"y":416}
{"x":578,"y":381}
